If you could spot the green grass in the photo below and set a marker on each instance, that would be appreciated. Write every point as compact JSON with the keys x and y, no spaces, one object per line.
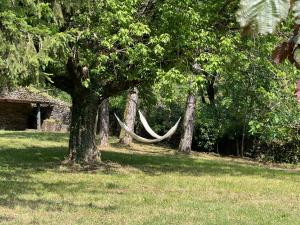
{"x":139,"y":185}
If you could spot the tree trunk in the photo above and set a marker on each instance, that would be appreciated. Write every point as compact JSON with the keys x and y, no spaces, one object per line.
{"x":82,"y":143}
{"x":185,"y":145}
{"x":243,"y":135}
{"x":237,"y":147}
{"x":104,"y":123}
{"x":243,"y":145}
{"x":86,"y":101}
{"x":129,"y":115}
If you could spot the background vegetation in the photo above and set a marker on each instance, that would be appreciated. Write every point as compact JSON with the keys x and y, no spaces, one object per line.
{"x":169,"y":49}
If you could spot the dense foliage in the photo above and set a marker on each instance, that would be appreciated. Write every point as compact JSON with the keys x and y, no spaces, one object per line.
{"x":172,"y":48}
{"x":90,"y":55}
{"x":247,"y":105}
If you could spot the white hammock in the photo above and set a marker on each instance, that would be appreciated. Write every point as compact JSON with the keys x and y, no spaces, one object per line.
{"x":147,"y":127}
{"x":145,"y":140}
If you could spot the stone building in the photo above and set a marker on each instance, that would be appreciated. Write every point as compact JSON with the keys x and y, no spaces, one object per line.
{"x":23,"y":109}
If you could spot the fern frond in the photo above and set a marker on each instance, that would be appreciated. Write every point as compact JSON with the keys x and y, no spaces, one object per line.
{"x":262,"y":16}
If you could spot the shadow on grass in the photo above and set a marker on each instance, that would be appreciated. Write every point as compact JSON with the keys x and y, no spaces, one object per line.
{"x":17,"y":167}
{"x":36,"y":159}
{"x":33,"y":157}
{"x":158,"y":164}
{"x":17,"y":179}
{"x":50,"y":205}
{"x":22,"y":183}
{"x":6,"y":218}
{"x":43,"y":158}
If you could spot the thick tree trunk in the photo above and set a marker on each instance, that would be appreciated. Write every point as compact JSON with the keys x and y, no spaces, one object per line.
{"x":104,"y":123}
{"x":82,"y":143}
{"x":86,"y":101}
{"x":129,"y":115}
{"x":185,"y":145}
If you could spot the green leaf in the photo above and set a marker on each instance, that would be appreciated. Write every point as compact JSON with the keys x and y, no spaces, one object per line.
{"x":86,"y":83}
{"x":296,"y":11}
{"x":262,"y":16}
{"x":297,"y":55}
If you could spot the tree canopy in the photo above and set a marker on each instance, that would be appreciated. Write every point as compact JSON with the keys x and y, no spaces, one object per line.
{"x":91,"y":49}
{"x":97,"y":49}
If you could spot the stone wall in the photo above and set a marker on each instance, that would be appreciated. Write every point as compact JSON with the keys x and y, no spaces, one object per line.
{"x":61,"y":113}
{"x":14,"y":116}
{"x":22,"y":116}
{"x":59,"y":120}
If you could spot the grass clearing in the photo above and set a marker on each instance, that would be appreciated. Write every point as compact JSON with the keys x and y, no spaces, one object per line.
{"x":139,"y":185}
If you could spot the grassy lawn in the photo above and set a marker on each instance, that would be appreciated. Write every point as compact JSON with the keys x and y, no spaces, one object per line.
{"x":140,"y":185}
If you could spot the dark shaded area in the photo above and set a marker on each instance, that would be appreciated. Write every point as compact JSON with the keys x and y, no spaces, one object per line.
{"x":21,"y":116}
{"x":232,"y":146}
{"x":157,"y":164}
{"x":5,"y":218}
{"x":45,"y":114}
{"x":32,"y":158}
{"x":14,"y":116}
{"x":50,"y":205}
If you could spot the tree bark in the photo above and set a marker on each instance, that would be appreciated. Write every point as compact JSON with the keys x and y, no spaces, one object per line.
{"x":237,"y":147}
{"x":210,"y":87}
{"x":185,"y":145}
{"x":82,"y":143}
{"x":243,"y":135}
{"x":86,"y":102}
{"x":104,"y":123}
{"x":129,"y":115}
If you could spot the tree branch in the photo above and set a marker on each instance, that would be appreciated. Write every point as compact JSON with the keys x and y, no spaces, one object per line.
{"x":146,"y":7}
{"x":114,"y":88}
{"x":63,"y":83}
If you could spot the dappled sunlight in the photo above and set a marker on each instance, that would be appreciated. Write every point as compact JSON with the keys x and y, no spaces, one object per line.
{"x":149,"y":178}
{"x":44,"y":153}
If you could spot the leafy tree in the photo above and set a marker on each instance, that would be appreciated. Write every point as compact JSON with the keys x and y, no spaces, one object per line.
{"x":195,"y":29}
{"x":234,"y":74}
{"x":91,"y":49}
{"x":26,"y":37}
{"x":263,"y":16}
